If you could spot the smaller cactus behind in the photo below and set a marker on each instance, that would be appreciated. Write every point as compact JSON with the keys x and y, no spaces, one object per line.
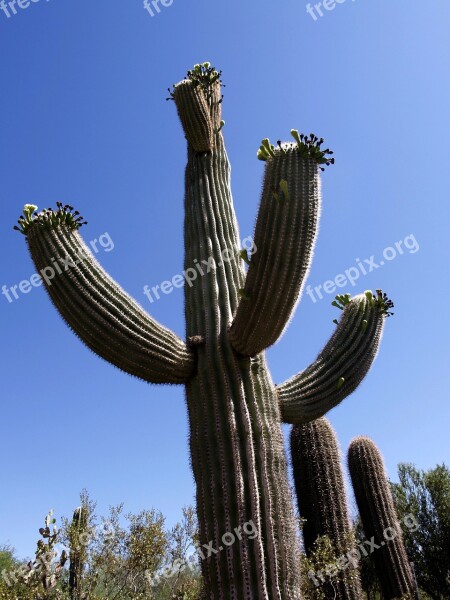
{"x":78,"y":534}
{"x":322,"y":501}
{"x":379,"y":519}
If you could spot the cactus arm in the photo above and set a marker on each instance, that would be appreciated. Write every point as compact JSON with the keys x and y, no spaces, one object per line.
{"x":95,"y":307}
{"x":285,"y":234}
{"x":342,"y":364}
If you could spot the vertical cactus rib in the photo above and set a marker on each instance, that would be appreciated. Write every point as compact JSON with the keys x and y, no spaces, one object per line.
{"x":341,"y":365}
{"x":95,"y":307}
{"x":379,"y":518}
{"x":322,"y":502}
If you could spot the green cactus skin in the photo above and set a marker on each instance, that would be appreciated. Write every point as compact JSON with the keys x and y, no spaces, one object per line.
{"x":236,"y":442}
{"x":340,"y":367}
{"x":322,"y":502}
{"x":285,"y":234}
{"x":188,"y":97}
{"x":77,"y":551}
{"x":377,"y":511}
{"x":110,"y":322}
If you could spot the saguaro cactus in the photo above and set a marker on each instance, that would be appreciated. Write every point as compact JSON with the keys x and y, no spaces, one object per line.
{"x":235,"y":411}
{"x":322,"y":502}
{"x":77,"y":555}
{"x":379,"y":519}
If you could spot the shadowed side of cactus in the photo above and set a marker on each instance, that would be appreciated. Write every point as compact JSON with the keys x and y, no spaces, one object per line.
{"x":322,"y":502}
{"x":77,"y":555}
{"x":235,"y":411}
{"x":379,"y":519}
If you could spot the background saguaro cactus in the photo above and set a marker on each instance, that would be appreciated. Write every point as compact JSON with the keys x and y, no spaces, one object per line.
{"x":379,"y":519}
{"x":78,"y":532}
{"x":235,"y":411}
{"x":322,"y":502}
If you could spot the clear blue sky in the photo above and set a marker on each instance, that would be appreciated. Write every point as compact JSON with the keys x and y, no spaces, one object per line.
{"x":85,"y":121}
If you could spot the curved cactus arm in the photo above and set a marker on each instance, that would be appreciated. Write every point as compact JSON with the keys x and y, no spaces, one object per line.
{"x":285,"y":235}
{"x":342,"y":364}
{"x":95,"y":307}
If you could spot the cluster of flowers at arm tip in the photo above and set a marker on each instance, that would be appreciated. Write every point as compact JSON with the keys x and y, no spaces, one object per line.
{"x":203,"y":75}
{"x":308,"y":146}
{"x":49,"y":217}
{"x":380,"y":300}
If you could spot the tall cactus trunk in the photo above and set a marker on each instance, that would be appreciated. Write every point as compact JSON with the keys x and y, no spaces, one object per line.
{"x":236,"y":440}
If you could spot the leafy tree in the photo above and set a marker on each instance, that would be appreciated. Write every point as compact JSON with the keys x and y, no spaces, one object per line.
{"x":8,"y":559}
{"x":117,"y":557}
{"x":124,"y":552}
{"x":126,"y":549}
{"x":183,"y":580}
{"x":426,"y":496}
{"x":369,"y":579}
{"x":38,"y":579}
{"x":8,"y":566}
{"x":322,"y":569}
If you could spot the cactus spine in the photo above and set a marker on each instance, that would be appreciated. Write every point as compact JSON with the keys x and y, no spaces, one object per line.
{"x":235,"y":411}
{"x":379,"y":519}
{"x":322,"y":501}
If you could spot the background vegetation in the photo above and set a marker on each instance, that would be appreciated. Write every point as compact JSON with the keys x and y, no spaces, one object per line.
{"x":122,"y":555}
